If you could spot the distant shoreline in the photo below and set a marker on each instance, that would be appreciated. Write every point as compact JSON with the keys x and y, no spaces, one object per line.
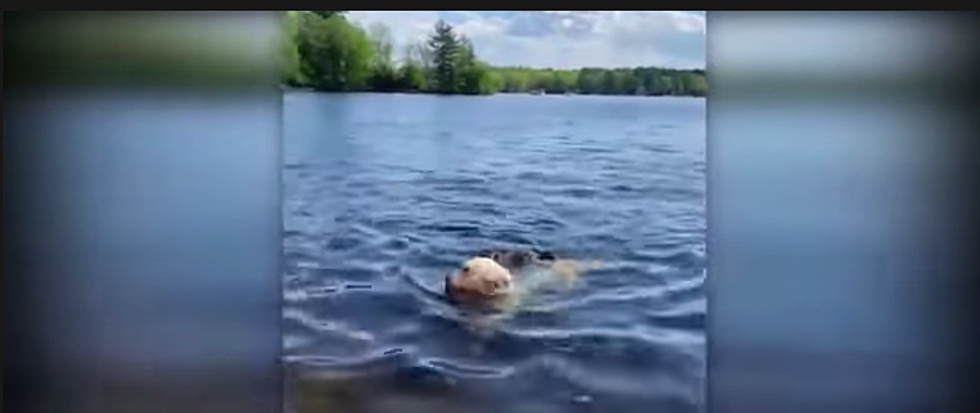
{"x":323,"y":50}
{"x":288,"y":88}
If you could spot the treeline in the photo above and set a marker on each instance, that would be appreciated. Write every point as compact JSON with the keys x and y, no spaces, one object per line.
{"x":325,"y":51}
{"x":599,"y":81}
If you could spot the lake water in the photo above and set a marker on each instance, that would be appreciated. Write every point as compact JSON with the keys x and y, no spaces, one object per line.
{"x":384,"y":194}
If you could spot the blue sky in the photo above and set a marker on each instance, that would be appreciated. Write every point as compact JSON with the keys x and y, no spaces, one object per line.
{"x":560,"y":39}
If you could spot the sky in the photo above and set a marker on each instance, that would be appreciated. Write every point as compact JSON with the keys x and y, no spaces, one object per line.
{"x":560,"y":39}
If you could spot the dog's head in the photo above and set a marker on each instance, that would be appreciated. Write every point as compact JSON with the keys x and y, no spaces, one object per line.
{"x":479,"y":277}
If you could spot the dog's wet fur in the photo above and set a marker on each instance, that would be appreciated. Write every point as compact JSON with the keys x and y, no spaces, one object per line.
{"x":515,"y":260}
{"x":531,"y":269}
{"x":512,"y":260}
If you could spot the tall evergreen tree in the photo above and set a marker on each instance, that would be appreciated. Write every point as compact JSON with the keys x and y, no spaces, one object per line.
{"x":445,"y":47}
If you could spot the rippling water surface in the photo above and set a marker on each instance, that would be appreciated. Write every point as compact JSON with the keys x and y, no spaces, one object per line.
{"x":385,"y":194}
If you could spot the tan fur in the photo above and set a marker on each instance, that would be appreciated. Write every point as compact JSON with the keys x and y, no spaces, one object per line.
{"x":569,"y":269}
{"x":482,"y":277}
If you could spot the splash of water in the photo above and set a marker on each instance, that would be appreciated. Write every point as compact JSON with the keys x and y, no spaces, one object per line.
{"x":529,"y":283}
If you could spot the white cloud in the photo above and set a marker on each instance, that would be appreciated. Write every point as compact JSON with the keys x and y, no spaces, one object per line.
{"x":565,"y":39}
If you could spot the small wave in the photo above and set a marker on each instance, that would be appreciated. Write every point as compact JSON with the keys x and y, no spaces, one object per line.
{"x":593,"y":149}
{"x":418,"y":286}
{"x":429,"y":179}
{"x":511,"y":238}
{"x":462,"y":370}
{"x":452,"y":228}
{"x":343,"y":243}
{"x":542,"y":223}
{"x":326,"y":326}
{"x":650,"y":389}
{"x":586,"y":338}
{"x":622,"y":188}
{"x":308,"y":293}
{"x":685,"y":314}
{"x":660,"y":149}
{"x":372,"y":361}
{"x":290,"y":341}
{"x":580,"y":192}
{"x":348,"y":272}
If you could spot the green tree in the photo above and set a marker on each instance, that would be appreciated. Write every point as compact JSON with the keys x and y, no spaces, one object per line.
{"x":695,"y":84}
{"x":626,"y":82}
{"x":334,"y":54}
{"x":649,"y":82}
{"x":511,"y":79}
{"x":667,"y":83}
{"x":558,"y":84}
{"x":410,"y":77}
{"x":326,"y":14}
{"x":467,"y":77}
{"x":473,"y":76}
{"x":589,"y":80}
{"x":491,"y":83}
{"x":288,"y":53}
{"x":569,"y":78}
{"x":609,"y":85}
{"x":381,"y":41}
{"x":477,"y":79}
{"x":383,"y":76}
{"x":420,"y":55}
{"x":444,"y":46}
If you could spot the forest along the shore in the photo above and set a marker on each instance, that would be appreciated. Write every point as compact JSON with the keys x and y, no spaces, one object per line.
{"x":325,"y":51}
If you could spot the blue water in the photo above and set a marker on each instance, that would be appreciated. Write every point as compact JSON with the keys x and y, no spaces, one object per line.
{"x":384,"y":194}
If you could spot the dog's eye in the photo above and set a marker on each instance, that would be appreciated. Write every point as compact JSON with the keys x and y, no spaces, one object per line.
{"x":466,"y":269}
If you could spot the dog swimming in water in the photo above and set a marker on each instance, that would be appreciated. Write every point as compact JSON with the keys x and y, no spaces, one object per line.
{"x":500,"y":278}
